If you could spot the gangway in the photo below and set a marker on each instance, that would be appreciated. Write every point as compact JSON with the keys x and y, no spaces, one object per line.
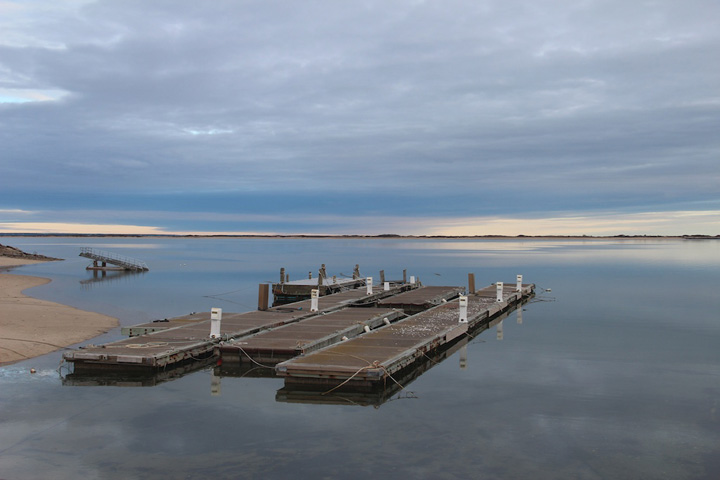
{"x":126,"y":263}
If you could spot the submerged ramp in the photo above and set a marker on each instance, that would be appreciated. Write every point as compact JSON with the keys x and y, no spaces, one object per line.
{"x":121,"y":261}
{"x":372,"y":359}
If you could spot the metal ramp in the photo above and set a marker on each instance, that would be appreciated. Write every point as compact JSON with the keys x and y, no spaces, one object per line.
{"x":126,"y":263}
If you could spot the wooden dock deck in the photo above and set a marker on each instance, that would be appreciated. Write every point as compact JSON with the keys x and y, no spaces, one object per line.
{"x":372,"y":360}
{"x":305,"y":336}
{"x":160,"y":345}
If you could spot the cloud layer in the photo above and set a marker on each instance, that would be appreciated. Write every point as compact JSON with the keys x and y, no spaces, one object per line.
{"x":395,"y":109}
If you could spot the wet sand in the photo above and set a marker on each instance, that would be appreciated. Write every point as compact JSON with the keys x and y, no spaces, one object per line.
{"x":30,"y":327}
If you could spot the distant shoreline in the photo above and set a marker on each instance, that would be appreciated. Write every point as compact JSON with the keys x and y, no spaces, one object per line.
{"x":370,"y":237}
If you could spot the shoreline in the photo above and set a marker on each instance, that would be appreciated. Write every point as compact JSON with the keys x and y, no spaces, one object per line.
{"x":32,"y":327}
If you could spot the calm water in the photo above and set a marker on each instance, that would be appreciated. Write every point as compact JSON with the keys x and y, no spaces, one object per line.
{"x":613,"y":374}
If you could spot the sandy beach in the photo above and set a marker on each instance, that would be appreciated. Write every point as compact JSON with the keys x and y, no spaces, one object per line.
{"x":30,"y":327}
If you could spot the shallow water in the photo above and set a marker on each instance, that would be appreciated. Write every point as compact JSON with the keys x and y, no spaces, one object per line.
{"x":615,"y":373}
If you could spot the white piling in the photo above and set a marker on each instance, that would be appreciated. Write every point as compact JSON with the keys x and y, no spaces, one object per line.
{"x":499,"y":291}
{"x":314,"y":294}
{"x":519,"y":283}
{"x":386,"y":321}
{"x":215,"y":321}
{"x":368,"y":283}
{"x":386,"y":286}
{"x":412,"y":279}
{"x":463,"y":309}
{"x":367,"y":329}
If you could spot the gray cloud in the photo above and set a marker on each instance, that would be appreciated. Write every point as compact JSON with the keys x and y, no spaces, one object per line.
{"x":593,"y":103}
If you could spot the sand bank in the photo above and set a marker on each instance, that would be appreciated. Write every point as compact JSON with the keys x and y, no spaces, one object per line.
{"x":30,"y":327}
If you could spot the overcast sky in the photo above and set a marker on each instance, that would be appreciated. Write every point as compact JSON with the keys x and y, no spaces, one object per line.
{"x":411,"y":117}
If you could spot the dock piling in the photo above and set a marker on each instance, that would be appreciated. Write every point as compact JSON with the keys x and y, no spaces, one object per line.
{"x":499,"y":291}
{"x":263,"y":296}
{"x":215,"y":320}
{"x":314,"y":293}
{"x":471,"y":283}
{"x":519,"y":283}
{"x":463,"y":302}
{"x":368,"y":284}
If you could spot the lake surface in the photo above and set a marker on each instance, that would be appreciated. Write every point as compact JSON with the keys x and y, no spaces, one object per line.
{"x":612,"y":372}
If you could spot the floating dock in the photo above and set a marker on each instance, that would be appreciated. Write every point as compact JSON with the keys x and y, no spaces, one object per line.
{"x":372,"y":360}
{"x":356,"y":339}
{"x":160,"y":345}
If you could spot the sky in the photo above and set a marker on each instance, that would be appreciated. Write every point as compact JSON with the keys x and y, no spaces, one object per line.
{"x":453,"y":117}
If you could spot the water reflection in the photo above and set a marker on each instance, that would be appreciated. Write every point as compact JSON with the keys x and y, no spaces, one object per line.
{"x":108,"y":276}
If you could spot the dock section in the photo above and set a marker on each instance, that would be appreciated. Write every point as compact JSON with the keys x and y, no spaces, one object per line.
{"x":305,"y":336}
{"x":168,"y":344}
{"x":374,"y":359}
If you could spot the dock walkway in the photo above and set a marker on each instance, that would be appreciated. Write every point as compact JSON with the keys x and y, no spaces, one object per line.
{"x":371,"y":360}
{"x":159,"y":345}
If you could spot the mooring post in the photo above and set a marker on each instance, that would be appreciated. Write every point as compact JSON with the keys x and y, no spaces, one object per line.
{"x":463,"y":301}
{"x":368,"y":284}
{"x":471,"y":284}
{"x":309,"y":275}
{"x":356,"y":272}
{"x":382,"y":276}
{"x":314,"y":299}
{"x":320,"y":278}
{"x":322,"y":271}
{"x":215,"y":320}
{"x":412,"y":279}
{"x":499,"y":291}
{"x":404,"y":276}
{"x":386,"y":286}
{"x":263,"y":296}
{"x":282,"y":275}
{"x":519,"y":284}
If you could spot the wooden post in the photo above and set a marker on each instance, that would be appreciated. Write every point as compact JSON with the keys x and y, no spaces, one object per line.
{"x":382,"y":276}
{"x":471,"y":284}
{"x":404,"y":276}
{"x":282,"y":275}
{"x":356,"y":272}
{"x":263,"y":296}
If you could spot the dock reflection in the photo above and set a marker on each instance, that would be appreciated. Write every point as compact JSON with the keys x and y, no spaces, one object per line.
{"x":394,"y":389}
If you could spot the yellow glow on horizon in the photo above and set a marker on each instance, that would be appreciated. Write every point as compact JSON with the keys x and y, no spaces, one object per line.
{"x":606,"y":224}
{"x":649,"y":223}
{"x":102,"y":229}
